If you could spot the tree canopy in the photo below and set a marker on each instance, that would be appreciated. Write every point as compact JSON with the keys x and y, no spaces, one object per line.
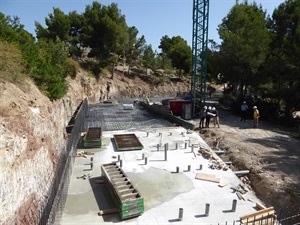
{"x":178,"y":51}
{"x":259,"y":57}
{"x":245,"y":46}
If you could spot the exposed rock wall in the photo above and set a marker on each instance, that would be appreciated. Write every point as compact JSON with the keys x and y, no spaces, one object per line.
{"x":32,"y":135}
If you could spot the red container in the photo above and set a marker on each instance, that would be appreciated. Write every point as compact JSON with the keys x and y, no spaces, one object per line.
{"x":176,"y":106}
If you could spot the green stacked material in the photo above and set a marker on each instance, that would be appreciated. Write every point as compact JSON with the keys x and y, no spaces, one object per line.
{"x":126,"y":197}
{"x":92,"y":144}
{"x":92,"y":138}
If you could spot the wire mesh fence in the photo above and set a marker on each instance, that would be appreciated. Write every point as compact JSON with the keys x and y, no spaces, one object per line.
{"x":52,"y":209}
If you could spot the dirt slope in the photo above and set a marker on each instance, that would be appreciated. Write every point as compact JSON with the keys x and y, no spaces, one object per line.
{"x":271,"y":153}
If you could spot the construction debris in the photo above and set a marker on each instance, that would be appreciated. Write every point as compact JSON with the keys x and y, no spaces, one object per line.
{"x":240,"y":188}
{"x":206,"y":153}
{"x":85,"y":176}
{"x":216,"y":162}
{"x":83,"y":154}
{"x":240,"y":196}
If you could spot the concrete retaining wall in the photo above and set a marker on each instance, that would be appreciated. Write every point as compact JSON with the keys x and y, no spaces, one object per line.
{"x":163,"y":111}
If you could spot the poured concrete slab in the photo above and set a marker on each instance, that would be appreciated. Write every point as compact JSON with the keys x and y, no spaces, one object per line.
{"x":166,"y":180}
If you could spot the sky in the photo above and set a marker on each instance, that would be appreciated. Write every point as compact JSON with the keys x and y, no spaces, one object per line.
{"x":153,"y":18}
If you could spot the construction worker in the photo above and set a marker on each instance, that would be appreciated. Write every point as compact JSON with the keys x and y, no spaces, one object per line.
{"x":255,"y":116}
{"x":244,"y":108}
{"x":208,"y":116}
{"x":202,"y":115}
{"x":215,"y":117}
{"x":147,"y":100}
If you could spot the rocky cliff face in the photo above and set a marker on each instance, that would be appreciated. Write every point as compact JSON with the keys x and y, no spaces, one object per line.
{"x":32,"y":135}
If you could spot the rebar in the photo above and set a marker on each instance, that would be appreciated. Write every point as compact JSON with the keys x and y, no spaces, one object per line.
{"x":207,"y":206}
{"x":180,"y":214}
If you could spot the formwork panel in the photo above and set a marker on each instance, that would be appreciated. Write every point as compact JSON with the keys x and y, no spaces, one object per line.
{"x":125,"y":195}
{"x":92,"y":138}
{"x":125,"y":142}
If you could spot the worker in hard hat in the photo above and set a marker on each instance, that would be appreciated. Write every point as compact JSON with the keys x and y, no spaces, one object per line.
{"x":202,"y":115}
{"x":208,"y":116}
{"x":255,"y":116}
{"x":215,"y":117}
{"x":147,"y":100}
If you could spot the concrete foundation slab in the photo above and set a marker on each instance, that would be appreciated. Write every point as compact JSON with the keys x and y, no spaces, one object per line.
{"x":166,"y":180}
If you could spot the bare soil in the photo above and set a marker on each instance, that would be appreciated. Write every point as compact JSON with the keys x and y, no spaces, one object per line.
{"x":270,"y":152}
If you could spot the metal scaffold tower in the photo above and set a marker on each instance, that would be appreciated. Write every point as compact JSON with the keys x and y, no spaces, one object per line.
{"x":199,"y":45}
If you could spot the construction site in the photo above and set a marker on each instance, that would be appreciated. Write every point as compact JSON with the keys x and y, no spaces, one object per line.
{"x":99,"y":155}
{"x":141,"y":165}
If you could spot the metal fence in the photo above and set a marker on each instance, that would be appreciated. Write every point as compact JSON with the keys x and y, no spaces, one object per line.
{"x":51,"y":211}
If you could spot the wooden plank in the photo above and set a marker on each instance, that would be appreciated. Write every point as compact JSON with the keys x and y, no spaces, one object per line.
{"x":207,"y":177}
{"x":260,"y":206}
{"x":263,"y":213}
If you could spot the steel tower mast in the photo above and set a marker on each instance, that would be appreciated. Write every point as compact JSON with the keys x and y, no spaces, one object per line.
{"x":199,"y":48}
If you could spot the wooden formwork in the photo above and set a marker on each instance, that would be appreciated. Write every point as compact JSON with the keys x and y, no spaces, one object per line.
{"x":265,"y":216}
{"x":127,"y":142}
{"x":125,"y":195}
{"x":93,"y":138}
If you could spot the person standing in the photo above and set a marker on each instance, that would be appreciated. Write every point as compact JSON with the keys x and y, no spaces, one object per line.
{"x":147,"y":100}
{"x":215,"y":113}
{"x":244,"y":108}
{"x":202,"y":115}
{"x":208,"y":116}
{"x":255,"y":116}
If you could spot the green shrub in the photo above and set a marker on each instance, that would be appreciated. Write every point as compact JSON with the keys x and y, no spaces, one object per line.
{"x":73,"y":68}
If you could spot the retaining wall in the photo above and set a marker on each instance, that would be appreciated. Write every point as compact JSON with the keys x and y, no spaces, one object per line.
{"x":163,"y":111}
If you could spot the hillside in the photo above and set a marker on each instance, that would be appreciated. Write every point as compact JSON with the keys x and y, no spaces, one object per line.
{"x":32,"y":129}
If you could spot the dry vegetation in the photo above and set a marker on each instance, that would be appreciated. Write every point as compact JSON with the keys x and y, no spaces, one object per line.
{"x":11,"y":63}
